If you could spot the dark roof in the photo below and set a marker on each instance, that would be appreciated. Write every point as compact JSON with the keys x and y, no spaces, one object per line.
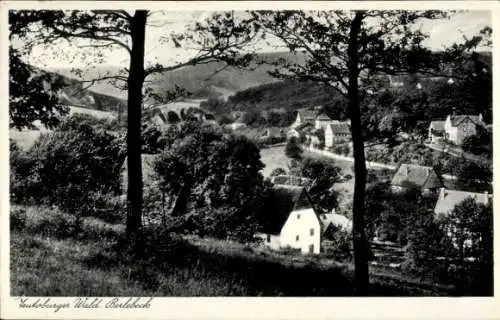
{"x":437,"y":125}
{"x":456,"y":120}
{"x":281,"y":202}
{"x":423,"y":177}
{"x":323,"y":116}
{"x":307,"y":115}
{"x":291,"y":180}
{"x":340,"y":128}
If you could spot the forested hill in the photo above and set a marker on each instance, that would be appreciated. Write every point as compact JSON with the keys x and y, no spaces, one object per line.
{"x":252,"y":87}
{"x":76,"y":93}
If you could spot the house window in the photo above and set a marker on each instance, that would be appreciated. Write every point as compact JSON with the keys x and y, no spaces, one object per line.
{"x":311,"y":232}
{"x":297,"y":238}
{"x":298,"y":216}
{"x":268,"y":238}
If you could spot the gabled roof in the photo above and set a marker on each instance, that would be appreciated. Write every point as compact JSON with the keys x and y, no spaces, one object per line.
{"x":307,"y":115}
{"x":291,"y":180}
{"x":323,"y":117}
{"x":339,"y":128}
{"x":281,"y":202}
{"x":422,"y":176}
{"x":437,"y":125}
{"x":448,"y":199}
{"x":336,"y":219}
{"x":456,"y":120}
{"x":273,"y":132}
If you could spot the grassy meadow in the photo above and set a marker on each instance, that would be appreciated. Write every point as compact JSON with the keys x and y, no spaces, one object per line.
{"x":52,"y":255}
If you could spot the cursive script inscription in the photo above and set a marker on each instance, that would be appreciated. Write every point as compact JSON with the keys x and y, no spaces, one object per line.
{"x":88,"y":303}
{"x":129,"y":303}
{"x":45,"y":303}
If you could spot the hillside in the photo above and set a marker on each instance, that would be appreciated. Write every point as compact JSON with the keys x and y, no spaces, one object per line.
{"x":201,"y":80}
{"x":251,"y":87}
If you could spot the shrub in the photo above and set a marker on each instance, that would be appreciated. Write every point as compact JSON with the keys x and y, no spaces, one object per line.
{"x":18,"y":219}
{"x":292,"y":149}
{"x":68,"y":167}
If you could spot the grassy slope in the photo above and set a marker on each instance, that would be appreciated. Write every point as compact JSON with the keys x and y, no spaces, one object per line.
{"x":47,"y":261}
{"x":26,"y":138}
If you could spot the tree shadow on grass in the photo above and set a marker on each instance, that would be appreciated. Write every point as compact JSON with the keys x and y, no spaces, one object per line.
{"x":254,"y":274}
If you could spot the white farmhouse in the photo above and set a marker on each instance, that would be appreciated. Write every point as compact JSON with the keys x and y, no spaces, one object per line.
{"x":337,"y":132}
{"x":290,"y":221}
{"x":455,"y":128}
{"x":322,"y":121}
{"x":448,"y":199}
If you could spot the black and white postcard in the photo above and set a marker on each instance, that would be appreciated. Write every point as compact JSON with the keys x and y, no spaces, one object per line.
{"x":304,"y":157}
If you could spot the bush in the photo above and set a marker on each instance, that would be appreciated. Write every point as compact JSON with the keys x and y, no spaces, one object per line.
{"x":18,"y":219}
{"x":292,"y":149}
{"x":68,"y":167}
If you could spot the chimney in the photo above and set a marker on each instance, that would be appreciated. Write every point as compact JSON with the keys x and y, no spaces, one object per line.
{"x":481,"y":117}
{"x":486,"y":197}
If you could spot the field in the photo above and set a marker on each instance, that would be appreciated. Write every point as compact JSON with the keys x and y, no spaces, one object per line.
{"x":96,"y":113}
{"x":273,"y":157}
{"x":26,"y":138}
{"x":49,"y":258}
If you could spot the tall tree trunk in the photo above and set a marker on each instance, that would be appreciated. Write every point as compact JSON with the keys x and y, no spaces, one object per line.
{"x":358,"y":210}
{"x":135,"y":83}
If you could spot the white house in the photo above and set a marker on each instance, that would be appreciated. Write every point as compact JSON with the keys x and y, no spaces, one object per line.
{"x":337,"y":132}
{"x":322,"y":121}
{"x":290,"y":221}
{"x":304,"y":116}
{"x":448,"y":199}
{"x":459,"y":127}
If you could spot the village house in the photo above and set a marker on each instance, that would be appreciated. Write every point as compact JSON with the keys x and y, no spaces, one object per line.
{"x":448,"y":199}
{"x":272,"y":133}
{"x":322,"y":121}
{"x":304,"y":116}
{"x":292,"y":222}
{"x":300,"y":131}
{"x":291,"y":180}
{"x":455,"y":128}
{"x":424,"y":178}
{"x":337,"y":132}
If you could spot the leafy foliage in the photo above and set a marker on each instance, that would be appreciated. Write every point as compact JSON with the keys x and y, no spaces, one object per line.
{"x":214,"y":178}
{"x":293,"y":149}
{"x":70,"y":167}
{"x":324,"y":175}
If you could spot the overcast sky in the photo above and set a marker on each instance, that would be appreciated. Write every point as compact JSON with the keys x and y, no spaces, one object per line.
{"x":442,"y":33}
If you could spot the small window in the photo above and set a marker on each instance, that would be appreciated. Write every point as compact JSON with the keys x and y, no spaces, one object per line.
{"x":298,"y":216}
{"x":311,"y":232}
{"x":297,"y":238}
{"x":268,"y":238}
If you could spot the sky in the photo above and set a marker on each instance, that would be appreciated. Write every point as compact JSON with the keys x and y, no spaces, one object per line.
{"x":441,"y":34}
